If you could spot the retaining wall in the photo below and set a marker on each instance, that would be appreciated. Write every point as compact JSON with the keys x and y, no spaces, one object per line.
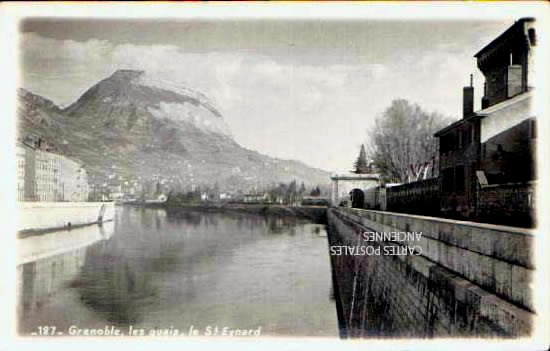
{"x":459,"y":279}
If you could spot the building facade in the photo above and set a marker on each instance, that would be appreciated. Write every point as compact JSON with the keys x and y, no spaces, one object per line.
{"x":72,"y":181}
{"x":255,"y":198}
{"x":48,"y":176}
{"x":26,"y":172}
{"x":20,"y":157}
{"x":487,"y":159}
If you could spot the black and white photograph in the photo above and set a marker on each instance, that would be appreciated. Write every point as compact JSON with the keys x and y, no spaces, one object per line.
{"x":329,"y":173}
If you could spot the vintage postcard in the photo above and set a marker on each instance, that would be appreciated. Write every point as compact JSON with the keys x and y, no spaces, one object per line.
{"x":353,"y":175}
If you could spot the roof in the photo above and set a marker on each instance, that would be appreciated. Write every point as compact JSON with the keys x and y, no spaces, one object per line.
{"x":486,"y":112}
{"x":23,"y":144}
{"x":453,"y":126}
{"x":355,"y":176}
{"x":503,"y":104}
{"x":506,"y":33}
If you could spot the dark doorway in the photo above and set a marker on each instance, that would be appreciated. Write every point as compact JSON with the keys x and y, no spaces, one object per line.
{"x":357,"y":198}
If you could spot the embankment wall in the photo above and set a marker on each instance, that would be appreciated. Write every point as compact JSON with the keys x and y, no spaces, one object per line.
{"x":459,"y":279}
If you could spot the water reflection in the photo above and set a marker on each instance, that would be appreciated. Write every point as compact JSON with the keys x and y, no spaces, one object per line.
{"x":42,"y":279}
{"x":46,"y":266}
{"x":118,"y":288}
{"x":181,"y":268}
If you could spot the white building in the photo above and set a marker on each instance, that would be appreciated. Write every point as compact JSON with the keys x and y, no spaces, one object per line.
{"x":49,"y":177}
{"x":73,"y":181}
{"x":20,"y":157}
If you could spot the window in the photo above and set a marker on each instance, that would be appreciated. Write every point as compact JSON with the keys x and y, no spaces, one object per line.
{"x":459,"y":176}
{"x":515,"y":58}
{"x":448,"y":180}
{"x":466,"y":137}
{"x":448,"y":143}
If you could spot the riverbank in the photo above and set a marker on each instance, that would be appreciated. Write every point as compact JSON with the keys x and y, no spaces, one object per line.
{"x":317,"y":214}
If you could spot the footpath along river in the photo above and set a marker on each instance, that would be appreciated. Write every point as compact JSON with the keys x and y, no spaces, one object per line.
{"x":179,"y":273}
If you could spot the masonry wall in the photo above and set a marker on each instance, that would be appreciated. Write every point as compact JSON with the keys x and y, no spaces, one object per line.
{"x":420,"y":197}
{"x":512,"y":203}
{"x":465,"y":279}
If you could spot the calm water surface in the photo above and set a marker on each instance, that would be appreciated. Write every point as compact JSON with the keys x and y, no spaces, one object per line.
{"x":153,"y":269}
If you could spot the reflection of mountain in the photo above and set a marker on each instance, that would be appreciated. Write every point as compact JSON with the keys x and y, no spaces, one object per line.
{"x":162,"y":269}
{"x":114,"y":276}
{"x":132,"y":124}
{"x":120,"y":277}
{"x":112,"y":285}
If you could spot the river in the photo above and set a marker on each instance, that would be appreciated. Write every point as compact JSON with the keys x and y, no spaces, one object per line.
{"x":159,"y":271}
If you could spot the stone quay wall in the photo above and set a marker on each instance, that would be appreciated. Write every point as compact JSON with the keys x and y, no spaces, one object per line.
{"x":457,"y":279}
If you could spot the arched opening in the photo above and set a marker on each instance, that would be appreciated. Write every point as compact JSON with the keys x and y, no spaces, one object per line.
{"x":357,"y":198}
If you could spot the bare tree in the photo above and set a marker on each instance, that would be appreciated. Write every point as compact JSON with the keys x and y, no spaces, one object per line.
{"x":401,"y":143}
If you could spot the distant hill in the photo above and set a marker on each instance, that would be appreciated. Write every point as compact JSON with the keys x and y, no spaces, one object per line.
{"x":133,"y":125}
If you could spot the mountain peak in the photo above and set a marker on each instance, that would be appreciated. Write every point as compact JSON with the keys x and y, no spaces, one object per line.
{"x":139,"y":78}
{"x":132,"y":100}
{"x":127,"y":74}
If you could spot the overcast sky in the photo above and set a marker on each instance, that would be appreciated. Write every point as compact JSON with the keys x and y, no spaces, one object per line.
{"x":305,"y":90}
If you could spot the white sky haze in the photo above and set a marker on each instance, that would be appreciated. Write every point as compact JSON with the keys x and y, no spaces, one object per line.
{"x":300,"y":89}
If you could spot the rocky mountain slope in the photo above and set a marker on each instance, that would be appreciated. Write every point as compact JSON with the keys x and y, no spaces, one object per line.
{"x":133,"y":125}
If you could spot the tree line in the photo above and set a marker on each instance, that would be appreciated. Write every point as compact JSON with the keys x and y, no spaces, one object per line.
{"x":282,"y":193}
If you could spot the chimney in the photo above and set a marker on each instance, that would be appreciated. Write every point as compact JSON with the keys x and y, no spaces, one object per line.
{"x":514,"y":81}
{"x":468,"y":99}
